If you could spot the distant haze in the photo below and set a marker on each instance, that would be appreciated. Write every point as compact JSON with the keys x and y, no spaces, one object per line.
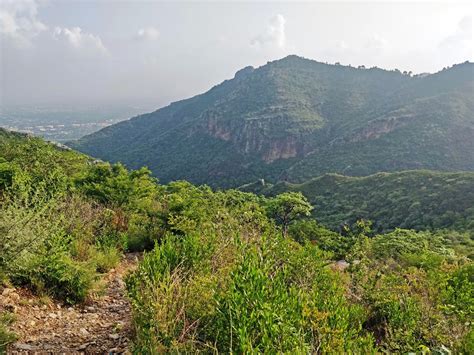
{"x":135,"y":52}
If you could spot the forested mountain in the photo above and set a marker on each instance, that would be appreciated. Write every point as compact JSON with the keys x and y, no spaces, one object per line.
{"x":410,"y":199}
{"x":294,"y":119}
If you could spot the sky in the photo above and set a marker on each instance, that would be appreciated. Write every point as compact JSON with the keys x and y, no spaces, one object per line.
{"x":114,"y":52}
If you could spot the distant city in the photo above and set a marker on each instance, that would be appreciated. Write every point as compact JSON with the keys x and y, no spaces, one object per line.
{"x":65,"y":124}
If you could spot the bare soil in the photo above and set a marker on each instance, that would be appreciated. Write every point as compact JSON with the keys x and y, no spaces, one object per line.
{"x":101,"y":325}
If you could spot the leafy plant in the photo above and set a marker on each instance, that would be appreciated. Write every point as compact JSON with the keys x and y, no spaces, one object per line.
{"x":6,"y":336}
{"x":287,"y":207}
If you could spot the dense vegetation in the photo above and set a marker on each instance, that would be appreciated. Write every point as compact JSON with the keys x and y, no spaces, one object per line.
{"x":227,"y":271}
{"x":411,"y":199}
{"x":53,"y":238}
{"x":294,"y":119}
{"x":227,"y":280}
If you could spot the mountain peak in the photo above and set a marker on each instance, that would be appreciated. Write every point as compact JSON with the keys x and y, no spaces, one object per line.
{"x":244,"y":72}
{"x":294,"y":59}
{"x":296,"y":118}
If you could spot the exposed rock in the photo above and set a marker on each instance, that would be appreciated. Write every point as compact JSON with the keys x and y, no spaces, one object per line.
{"x":6,"y":291}
{"x":252,"y":138}
{"x":341,"y":265}
{"x":377,"y":128}
{"x":282,"y":149}
{"x":26,"y":347}
{"x":84,"y":346}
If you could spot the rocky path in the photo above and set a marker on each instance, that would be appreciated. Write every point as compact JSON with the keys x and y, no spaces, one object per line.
{"x":100,"y":326}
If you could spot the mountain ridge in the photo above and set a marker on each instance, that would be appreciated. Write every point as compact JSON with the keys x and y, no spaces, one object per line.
{"x":296,"y":118}
{"x":415,"y":199}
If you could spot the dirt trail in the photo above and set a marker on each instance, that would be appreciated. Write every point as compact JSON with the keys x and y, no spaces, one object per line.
{"x":100,"y":326}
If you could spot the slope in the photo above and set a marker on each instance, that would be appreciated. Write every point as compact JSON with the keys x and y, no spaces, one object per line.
{"x":296,"y":118}
{"x":410,"y":199}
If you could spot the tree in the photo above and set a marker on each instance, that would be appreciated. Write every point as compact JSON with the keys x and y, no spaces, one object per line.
{"x":115,"y":185}
{"x":287,"y":207}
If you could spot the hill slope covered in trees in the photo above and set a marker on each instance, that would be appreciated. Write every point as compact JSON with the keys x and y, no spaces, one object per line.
{"x":418,"y":199}
{"x":294,"y":119}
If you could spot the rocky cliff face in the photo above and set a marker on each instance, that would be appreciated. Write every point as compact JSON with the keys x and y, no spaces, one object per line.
{"x":251,"y":139}
{"x":283,"y":149}
{"x":376,"y":128}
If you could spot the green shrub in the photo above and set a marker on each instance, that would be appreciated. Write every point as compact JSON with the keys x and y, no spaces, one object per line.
{"x":53,"y":271}
{"x":269,"y":295}
{"x":25,"y":224}
{"x":397,"y":318}
{"x":106,"y":258}
{"x":459,"y":293}
{"x":404,"y":242}
{"x":310,"y":231}
{"x":6,"y":336}
{"x":62,"y":277}
{"x":114,"y":185}
{"x":466,"y":345}
{"x":258,"y":313}
{"x":406,"y":307}
{"x":140,"y":242}
{"x":157,"y":290}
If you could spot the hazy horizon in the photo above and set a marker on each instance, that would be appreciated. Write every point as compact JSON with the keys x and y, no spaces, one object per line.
{"x":152,"y":53}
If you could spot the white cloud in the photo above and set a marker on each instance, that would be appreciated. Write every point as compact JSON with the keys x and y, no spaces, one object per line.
{"x":460,"y":44}
{"x":76,"y":38}
{"x":274,"y":34}
{"x":342,"y":45}
{"x":18,"y":21}
{"x":376,"y":44}
{"x":149,"y":33}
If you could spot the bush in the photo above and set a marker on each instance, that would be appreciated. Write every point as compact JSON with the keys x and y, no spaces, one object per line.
{"x":459,"y":292}
{"x":412,"y":303}
{"x":397,"y":316}
{"x":106,"y":258}
{"x":53,"y":271}
{"x":403,"y":242}
{"x":310,"y":231}
{"x":258,"y":313}
{"x":60,"y":276}
{"x":25,"y":224}
{"x":466,"y":345}
{"x":266,"y":295}
{"x":6,"y":336}
{"x":157,"y":290}
{"x":139,"y":242}
{"x":114,"y":185}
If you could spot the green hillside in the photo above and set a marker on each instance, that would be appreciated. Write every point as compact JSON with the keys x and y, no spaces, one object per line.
{"x":409,"y":199}
{"x":294,"y":118}
{"x":230,"y":271}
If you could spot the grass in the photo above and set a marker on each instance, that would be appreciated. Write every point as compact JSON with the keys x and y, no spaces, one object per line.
{"x":6,"y":336}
